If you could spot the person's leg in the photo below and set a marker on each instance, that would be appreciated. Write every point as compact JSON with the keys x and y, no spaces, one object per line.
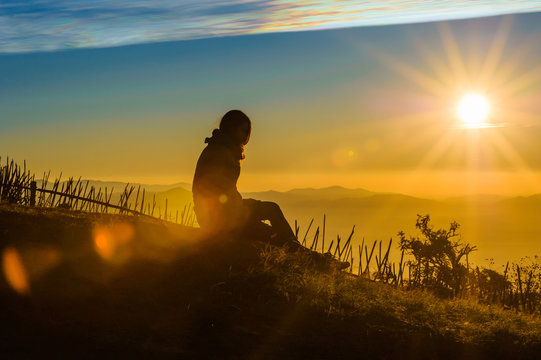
{"x":267,"y":210}
{"x":257,"y":230}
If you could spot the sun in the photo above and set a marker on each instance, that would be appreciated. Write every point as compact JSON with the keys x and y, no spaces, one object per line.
{"x":473,"y":110}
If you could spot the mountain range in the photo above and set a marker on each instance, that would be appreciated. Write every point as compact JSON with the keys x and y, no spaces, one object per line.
{"x":502,"y":228}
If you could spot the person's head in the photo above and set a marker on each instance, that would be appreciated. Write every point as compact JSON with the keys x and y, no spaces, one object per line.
{"x":237,"y":125}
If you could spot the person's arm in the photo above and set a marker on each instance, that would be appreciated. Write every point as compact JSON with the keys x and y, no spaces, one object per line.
{"x":229,"y":176}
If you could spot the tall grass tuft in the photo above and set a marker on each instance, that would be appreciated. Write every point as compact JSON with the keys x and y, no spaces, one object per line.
{"x":18,"y":186}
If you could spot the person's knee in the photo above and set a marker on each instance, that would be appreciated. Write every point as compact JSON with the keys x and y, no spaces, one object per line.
{"x":272,"y":206}
{"x":275,"y":210}
{"x":266,"y":210}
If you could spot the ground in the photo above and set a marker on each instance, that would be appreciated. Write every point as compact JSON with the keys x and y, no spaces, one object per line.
{"x":124,"y":286}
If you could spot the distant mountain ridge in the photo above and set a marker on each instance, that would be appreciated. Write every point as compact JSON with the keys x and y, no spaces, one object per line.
{"x":314,"y":195}
{"x":503,"y":228}
{"x":119,"y":186}
{"x":327,"y":193}
{"x":311,"y":195}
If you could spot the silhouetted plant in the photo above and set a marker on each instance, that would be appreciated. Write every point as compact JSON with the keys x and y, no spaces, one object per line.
{"x":438,"y":255}
{"x":525,"y":293}
{"x":491,"y":286}
{"x":14,"y":183}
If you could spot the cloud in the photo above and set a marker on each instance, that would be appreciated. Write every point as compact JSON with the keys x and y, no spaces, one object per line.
{"x":45,"y":25}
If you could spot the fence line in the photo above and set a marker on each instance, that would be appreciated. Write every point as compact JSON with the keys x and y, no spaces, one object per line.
{"x":33,"y":192}
{"x":18,"y":186}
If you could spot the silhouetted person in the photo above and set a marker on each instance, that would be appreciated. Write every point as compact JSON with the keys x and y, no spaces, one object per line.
{"x":218,"y":205}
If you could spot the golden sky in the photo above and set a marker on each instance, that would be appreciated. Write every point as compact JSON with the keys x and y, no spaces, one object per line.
{"x":372,"y":107}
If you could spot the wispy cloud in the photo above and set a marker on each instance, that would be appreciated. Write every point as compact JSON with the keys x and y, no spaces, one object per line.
{"x":45,"y":25}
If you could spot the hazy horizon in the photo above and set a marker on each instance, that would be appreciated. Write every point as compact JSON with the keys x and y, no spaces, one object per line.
{"x":404,"y":188}
{"x":503,"y":228}
{"x":187,"y":185}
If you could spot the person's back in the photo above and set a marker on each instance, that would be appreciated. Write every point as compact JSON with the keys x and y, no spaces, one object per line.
{"x":217,"y":203}
{"x":214,"y":188}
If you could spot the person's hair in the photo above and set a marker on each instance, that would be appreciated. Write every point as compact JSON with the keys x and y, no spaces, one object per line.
{"x":234,"y":119}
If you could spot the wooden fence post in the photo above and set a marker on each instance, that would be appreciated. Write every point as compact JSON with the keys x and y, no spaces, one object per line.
{"x":33,"y":188}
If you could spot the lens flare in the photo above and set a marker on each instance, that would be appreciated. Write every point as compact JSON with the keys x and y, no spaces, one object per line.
{"x":111,"y":241}
{"x":14,"y":271}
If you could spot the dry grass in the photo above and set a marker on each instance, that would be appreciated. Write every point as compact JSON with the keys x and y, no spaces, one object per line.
{"x":339,"y":293}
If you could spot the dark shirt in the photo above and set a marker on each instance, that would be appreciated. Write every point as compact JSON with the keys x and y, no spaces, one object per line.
{"x":217,"y":202}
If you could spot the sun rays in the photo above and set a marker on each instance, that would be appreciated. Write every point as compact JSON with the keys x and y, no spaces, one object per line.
{"x":480,"y":94}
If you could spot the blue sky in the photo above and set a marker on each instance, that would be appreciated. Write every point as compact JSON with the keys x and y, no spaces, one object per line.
{"x":348,"y":106}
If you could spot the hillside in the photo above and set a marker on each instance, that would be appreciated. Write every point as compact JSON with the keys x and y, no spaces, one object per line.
{"x":87,"y":285}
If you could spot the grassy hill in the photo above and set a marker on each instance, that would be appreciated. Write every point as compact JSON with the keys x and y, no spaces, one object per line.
{"x":89,"y":285}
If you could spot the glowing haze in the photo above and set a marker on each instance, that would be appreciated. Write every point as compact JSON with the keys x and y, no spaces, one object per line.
{"x":372,"y":107}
